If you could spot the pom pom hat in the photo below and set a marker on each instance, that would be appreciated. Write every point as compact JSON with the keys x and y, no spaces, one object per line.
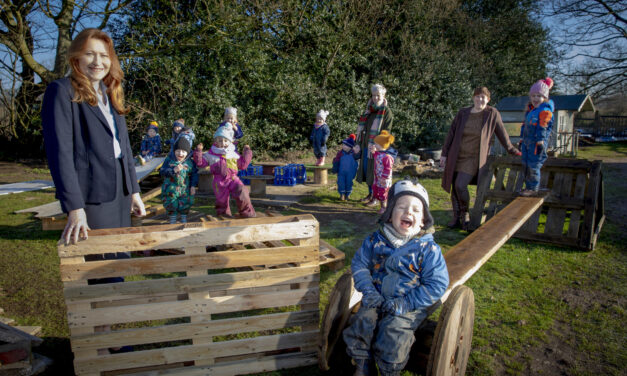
{"x":408,"y":187}
{"x":350,"y":140}
{"x":384,"y":139}
{"x":153,"y":125}
{"x":183,"y":144}
{"x":322,"y":114}
{"x":225,"y":131}
{"x":178,"y":124}
{"x":542,"y":87}
{"x":230,"y":111}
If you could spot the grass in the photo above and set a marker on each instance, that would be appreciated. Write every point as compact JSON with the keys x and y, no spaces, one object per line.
{"x":529,"y":297}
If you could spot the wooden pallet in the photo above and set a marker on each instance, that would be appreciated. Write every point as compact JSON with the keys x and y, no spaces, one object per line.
{"x":225,"y":305}
{"x":573,"y":210}
{"x":330,"y":256}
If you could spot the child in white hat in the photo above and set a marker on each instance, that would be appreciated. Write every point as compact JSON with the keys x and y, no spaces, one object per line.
{"x":319,"y":136}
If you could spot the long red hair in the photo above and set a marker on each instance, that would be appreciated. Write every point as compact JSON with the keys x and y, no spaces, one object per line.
{"x":83,"y":89}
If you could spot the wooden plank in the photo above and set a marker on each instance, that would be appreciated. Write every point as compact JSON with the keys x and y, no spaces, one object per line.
{"x":591,"y":196}
{"x":204,"y":234}
{"x":550,"y":201}
{"x":200,"y":340}
{"x":476,"y":214}
{"x":208,"y":283}
{"x":116,"y":315}
{"x":31,"y":330}
{"x":464,"y":259}
{"x":11,"y":334}
{"x":307,"y":254}
{"x":178,"y":332}
{"x":551,"y":239}
{"x":512,"y":176}
{"x":151,"y":194}
{"x":191,"y":353}
{"x":330,"y":256}
{"x":7,"y":321}
{"x":265,"y":364}
{"x":575,"y":215}
{"x":532,"y":224}
{"x":562,"y":186}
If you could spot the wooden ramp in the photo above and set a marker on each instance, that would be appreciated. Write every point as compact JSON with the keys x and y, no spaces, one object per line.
{"x":465,"y":258}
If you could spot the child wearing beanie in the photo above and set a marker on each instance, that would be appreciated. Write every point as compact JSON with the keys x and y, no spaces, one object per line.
{"x":230,"y":117}
{"x":319,"y":136}
{"x":400,"y":272}
{"x":180,"y":179}
{"x":345,"y":165}
{"x":383,"y":163}
{"x":151,"y":143}
{"x":180,"y":130}
{"x":224,"y":162}
{"x":535,"y":133}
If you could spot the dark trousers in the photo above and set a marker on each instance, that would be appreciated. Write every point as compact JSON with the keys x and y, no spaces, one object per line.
{"x":111,"y":214}
{"x":459,"y":191}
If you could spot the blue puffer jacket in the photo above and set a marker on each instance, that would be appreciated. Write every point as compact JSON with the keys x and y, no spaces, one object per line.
{"x":318,"y":138}
{"x":416,"y":270}
{"x":538,"y":123}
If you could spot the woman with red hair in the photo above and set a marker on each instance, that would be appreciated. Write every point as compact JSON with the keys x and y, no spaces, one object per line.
{"x":86,"y":140}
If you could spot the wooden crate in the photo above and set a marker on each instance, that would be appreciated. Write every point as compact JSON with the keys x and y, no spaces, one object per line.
{"x":573,"y":210}
{"x":237,"y":298}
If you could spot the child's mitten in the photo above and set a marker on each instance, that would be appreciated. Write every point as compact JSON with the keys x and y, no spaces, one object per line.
{"x":372,"y":299}
{"x":396,"y":306}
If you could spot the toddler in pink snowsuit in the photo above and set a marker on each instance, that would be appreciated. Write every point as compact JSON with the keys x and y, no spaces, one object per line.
{"x":383,"y":163}
{"x":224,"y":163}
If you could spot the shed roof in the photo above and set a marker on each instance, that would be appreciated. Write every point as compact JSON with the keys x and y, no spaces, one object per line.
{"x":578,"y":102}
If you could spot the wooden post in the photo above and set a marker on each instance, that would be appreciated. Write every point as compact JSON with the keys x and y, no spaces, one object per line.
{"x":320,"y":175}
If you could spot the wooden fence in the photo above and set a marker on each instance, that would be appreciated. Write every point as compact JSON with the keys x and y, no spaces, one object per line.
{"x":219,"y":298}
{"x":572,"y":213}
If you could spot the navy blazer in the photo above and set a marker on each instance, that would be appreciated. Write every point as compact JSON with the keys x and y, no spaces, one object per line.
{"x":79,"y":146}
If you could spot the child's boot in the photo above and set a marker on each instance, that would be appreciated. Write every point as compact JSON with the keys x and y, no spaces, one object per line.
{"x":364,"y":367}
{"x":321,"y":161}
{"x":183,"y":218}
{"x":383,"y":207}
{"x":172,"y":218}
{"x":342,"y":197}
{"x":372,"y":203}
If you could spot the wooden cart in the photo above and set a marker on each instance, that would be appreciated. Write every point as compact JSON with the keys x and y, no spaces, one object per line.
{"x":442,"y":348}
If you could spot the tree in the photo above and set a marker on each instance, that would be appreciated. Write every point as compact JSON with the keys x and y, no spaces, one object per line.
{"x":33,"y":32}
{"x":592,"y":35}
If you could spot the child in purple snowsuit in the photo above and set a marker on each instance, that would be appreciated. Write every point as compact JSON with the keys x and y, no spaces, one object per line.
{"x":224,"y":163}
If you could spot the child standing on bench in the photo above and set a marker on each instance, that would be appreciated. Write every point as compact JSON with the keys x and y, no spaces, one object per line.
{"x":345,"y":166}
{"x":383,"y":157}
{"x":535,"y":133}
{"x":180,"y":130}
{"x":230,"y":117}
{"x":180,"y":179}
{"x":319,"y":136}
{"x":401,"y":272}
{"x":224,"y":163}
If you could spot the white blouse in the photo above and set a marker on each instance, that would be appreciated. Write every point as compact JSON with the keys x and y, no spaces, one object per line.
{"x":106,"y":109}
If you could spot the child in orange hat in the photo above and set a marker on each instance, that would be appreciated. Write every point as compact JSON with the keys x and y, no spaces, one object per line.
{"x":383,"y":163}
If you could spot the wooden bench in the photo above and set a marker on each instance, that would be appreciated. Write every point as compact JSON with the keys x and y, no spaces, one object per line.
{"x":268,"y":167}
{"x":258,"y":184}
{"x":227,"y":289}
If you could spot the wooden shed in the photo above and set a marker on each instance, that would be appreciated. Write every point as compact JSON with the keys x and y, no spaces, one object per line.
{"x":563,"y":137}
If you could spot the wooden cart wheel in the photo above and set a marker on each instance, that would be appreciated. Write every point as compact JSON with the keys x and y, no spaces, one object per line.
{"x":334,"y":319}
{"x":453,"y":335}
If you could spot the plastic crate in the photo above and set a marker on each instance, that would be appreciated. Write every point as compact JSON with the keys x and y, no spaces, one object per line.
{"x":290,"y":174}
{"x":250,"y":171}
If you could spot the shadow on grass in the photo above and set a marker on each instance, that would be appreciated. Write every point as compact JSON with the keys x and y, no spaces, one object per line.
{"x":59,"y":350}
{"x":27,"y":231}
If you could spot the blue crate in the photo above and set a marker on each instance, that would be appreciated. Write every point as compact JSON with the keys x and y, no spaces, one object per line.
{"x":290,"y":174}
{"x":241,"y":174}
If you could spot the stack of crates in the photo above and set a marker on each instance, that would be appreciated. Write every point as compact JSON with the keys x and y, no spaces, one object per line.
{"x":250,"y":171}
{"x":290,"y":174}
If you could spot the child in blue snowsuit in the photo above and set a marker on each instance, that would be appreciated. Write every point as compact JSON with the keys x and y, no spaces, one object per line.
{"x":151,"y":143}
{"x":319,"y":136}
{"x":535,"y":133}
{"x":179,"y":130}
{"x":345,"y":166}
{"x":401,"y":272}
